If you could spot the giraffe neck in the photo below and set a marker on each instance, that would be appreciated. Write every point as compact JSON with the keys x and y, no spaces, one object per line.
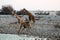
{"x":17,"y":16}
{"x":21,"y":20}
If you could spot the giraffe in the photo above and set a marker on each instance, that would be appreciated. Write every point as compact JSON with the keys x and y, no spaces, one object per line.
{"x":22,"y":23}
{"x":31,"y":17}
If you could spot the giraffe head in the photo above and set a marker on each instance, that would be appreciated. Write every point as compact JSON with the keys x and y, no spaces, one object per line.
{"x":13,"y":13}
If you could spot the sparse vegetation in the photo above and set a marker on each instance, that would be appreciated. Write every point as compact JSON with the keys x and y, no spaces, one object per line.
{"x":42,"y":29}
{"x":57,"y":25}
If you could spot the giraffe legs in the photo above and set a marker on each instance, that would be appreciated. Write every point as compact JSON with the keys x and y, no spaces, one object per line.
{"x":26,"y":25}
{"x":20,"y":29}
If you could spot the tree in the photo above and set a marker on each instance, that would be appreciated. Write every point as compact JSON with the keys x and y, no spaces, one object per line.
{"x":7,"y":9}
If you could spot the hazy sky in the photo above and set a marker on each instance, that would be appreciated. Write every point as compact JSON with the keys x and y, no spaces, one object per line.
{"x":32,"y":4}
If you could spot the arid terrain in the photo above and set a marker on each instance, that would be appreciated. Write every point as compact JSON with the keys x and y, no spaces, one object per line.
{"x":44,"y":27}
